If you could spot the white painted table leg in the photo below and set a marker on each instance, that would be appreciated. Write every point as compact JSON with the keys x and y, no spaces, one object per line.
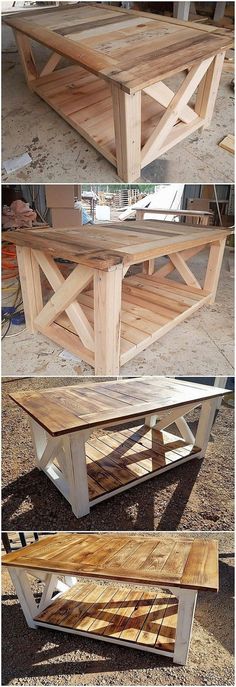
{"x":77,"y":472}
{"x":39,"y":439}
{"x":26,"y":598}
{"x":187,"y":601}
{"x":221,"y":382}
{"x":207,"y":415}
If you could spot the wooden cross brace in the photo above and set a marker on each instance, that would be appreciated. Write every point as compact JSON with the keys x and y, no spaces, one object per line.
{"x":24,"y":45}
{"x":178,"y":262}
{"x":21,"y":581}
{"x":206,"y":76}
{"x":64,"y":298}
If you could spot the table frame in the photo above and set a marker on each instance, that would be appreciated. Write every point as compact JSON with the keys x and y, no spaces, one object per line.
{"x":70,"y":474}
{"x":94,"y":317}
{"x":187,"y":599}
{"x":134,"y":148}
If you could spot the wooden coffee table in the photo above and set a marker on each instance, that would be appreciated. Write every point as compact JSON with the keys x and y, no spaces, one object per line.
{"x":99,"y":313}
{"x":114,"y":93}
{"x":154,"y":615}
{"x":88,"y":469}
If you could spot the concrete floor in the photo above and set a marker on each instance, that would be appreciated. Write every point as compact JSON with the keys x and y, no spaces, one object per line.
{"x":202,"y":345}
{"x":61,"y":155}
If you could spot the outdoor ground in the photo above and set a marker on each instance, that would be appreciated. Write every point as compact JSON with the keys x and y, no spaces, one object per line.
{"x":43,"y":657}
{"x":59,"y":154}
{"x":191,"y":347}
{"x":194,"y":496}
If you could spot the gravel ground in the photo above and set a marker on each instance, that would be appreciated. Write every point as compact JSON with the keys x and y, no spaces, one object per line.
{"x":47,"y":657}
{"x":197,"y":498}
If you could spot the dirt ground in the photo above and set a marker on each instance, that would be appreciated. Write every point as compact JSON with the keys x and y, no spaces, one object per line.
{"x":43,"y":657}
{"x":197,"y":497}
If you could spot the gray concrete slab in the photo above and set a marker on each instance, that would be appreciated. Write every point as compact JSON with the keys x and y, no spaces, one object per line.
{"x":203,"y":345}
{"x":61,"y":155}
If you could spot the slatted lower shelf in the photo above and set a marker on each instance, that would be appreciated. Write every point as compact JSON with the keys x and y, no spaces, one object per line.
{"x":85,"y":102}
{"x":150,"y":308}
{"x":120,"y":459}
{"x":146,"y":619}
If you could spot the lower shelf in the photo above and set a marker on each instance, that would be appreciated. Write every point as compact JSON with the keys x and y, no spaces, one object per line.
{"x":125,"y":615}
{"x":150,"y":308}
{"x":85,"y":102}
{"x":121,"y":459}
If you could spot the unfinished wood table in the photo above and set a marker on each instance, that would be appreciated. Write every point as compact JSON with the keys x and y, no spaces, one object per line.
{"x":88,"y":469}
{"x":140,"y":617}
{"x":99,"y":314}
{"x":115,"y":94}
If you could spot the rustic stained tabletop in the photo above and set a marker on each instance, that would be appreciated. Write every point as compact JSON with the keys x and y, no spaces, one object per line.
{"x":185,"y":563}
{"x":72,"y":408}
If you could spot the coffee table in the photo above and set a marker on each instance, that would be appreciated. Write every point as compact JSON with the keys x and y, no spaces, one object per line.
{"x":115,"y":92}
{"x":154,"y":608}
{"x":98,"y":312}
{"x":89,"y":469}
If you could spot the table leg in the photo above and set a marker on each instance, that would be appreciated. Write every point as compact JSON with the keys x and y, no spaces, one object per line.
{"x":208,"y":89}
{"x":74,"y":446}
{"x":206,"y":419}
{"x":30,"y":282}
{"x":181,"y":10}
{"x":186,"y":607}
{"x":26,"y":598}
{"x":107,"y":320}
{"x":148,"y":266}
{"x":39,"y":440}
{"x":219,"y":11}
{"x":214,"y":267}
{"x":26,"y":56}
{"x":127,"y":123}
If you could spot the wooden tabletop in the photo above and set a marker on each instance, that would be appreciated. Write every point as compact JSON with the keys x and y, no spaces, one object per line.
{"x":105,"y":246}
{"x":67,"y":409}
{"x":132,"y":49}
{"x":180,"y":562}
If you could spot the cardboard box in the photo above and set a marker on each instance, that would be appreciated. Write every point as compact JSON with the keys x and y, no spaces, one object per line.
{"x":62,"y":195}
{"x":66,"y":217}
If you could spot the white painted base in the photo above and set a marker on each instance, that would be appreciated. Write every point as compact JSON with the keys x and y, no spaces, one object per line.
{"x":70,"y":477}
{"x":128,"y":645}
